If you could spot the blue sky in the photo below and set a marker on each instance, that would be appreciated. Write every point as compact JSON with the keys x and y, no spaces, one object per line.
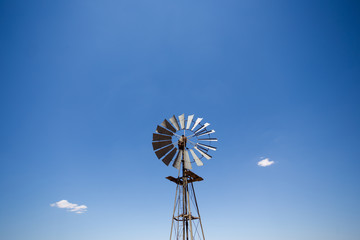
{"x":84,"y":84}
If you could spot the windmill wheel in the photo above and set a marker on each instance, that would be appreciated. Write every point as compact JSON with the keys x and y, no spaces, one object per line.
{"x":181,"y":136}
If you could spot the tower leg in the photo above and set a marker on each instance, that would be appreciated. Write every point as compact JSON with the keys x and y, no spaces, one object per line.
{"x":185,"y":232}
{"x":198,"y":212}
{"x":189,"y":212}
{"x":172,"y":221}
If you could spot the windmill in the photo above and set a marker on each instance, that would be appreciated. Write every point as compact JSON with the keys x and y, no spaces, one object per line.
{"x":178,"y":140}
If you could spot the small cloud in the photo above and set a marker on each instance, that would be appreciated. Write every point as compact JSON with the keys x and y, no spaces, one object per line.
{"x":72,"y":207}
{"x":265,"y":163}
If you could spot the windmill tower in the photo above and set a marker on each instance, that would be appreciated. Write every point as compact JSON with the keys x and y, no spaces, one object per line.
{"x":174,"y":141}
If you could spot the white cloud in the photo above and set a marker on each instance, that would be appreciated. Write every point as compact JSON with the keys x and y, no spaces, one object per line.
{"x":72,"y":207}
{"x":265,"y":163}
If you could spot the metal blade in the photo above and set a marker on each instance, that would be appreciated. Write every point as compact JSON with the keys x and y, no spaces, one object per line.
{"x":197,"y":160}
{"x":205,"y":133}
{"x":174,"y":122}
{"x":202,"y":148}
{"x":160,"y":153}
{"x":157,"y":145}
{"x":207,"y":156}
{"x":208,"y":139}
{"x":189,"y":121}
{"x":159,"y":137}
{"x":164,"y":131}
{"x":177,"y":162}
{"x":167,"y":159}
{"x":200,"y":132}
{"x":205,"y":125}
{"x":182,"y":121}
{"x":207,"y":146}
{"x":196,"y":123}
{"x":167,"y":125}
{"x":187,"y":163}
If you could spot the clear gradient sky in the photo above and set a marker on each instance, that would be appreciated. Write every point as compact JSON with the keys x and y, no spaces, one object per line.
{"x":85,"y":82}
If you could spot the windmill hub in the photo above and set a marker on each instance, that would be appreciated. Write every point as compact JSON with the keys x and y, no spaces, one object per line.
{"x":182,"y":143}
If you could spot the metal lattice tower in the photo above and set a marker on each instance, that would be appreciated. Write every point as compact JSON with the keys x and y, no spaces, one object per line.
{"x":167,"y":142}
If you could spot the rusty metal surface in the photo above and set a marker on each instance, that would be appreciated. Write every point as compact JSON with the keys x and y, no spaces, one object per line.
{"x":168,"y":125}
{"x":164,"y":131}
{"x":157,"y":145}
{"x":160,"y":153}
{"x":175,"y":180}
{"x":168,"y":158}
{"x":182,"y":143}
{"x":159,"y":137}
{"x":193,"y":177}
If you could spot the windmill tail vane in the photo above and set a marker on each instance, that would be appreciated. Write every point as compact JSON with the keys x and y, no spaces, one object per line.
{"x":173,"y":140}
